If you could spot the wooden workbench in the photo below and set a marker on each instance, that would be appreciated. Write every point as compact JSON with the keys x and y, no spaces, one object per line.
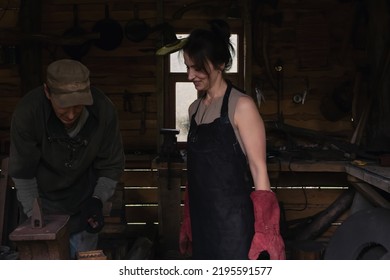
{"x":286,"y":170}
{"x":370,"y":179}
{"x":305,"y":185}
{"x":371,"y":173}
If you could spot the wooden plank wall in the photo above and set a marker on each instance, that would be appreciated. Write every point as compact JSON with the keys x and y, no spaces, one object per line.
{"x":312,"y":40}
{"x":316,"y":59}
{"x":126,"y":74}
{"x":140,"y":196}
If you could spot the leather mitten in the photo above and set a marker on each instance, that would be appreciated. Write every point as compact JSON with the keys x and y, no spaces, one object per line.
{"x":92,"y":219}
{"x":267,"y":234}
{"x":185,"y":242}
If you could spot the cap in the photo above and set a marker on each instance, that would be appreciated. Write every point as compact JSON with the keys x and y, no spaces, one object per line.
{"x":68,"y":81}
{"x":171,"y":48}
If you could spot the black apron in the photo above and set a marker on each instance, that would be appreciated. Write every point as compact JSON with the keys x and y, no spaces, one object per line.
{"x":220,"y":206}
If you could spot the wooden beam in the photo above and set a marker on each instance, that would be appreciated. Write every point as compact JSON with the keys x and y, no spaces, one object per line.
{"x":307,"y":165}
{"x":3,"y":193}
{"x":67,"y":2}
{"x":373,"y":174}
{"x":323,"y":220}
{"x":30,"y":67}
{"x":160,"y":77}
{"x":247,"y":55}
{"x":371,"y":194}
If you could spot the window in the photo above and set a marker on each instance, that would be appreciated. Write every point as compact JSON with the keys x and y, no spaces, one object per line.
{"x":182,"y":93}
{"x":185,"y":95}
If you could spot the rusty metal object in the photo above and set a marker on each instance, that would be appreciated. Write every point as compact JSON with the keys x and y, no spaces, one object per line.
{"x":110,"y":30}
{"x":321,"y":222}
{"x":91,"y":255}
{"x":142,"y":249}
{"x":136,"y":30}
{"x":79,"y":50}
{"x":364,"y":235}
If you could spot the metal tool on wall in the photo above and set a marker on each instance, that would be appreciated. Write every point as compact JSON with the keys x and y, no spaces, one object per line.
{"x":300,"y":98}
{"x":261,"y":29}
{"x":136,"y":30}
{"x":79,"y":50}
{"x":168,"y":151}
{"x":144,"y":97}
{"x":259,"y":95}
{"x":279,"y":88}
{"x":110,"y":30}
{"x":128,"y":106}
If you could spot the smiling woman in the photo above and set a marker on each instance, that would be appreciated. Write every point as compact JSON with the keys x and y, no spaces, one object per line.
{"x":233,"y":214}
{"x":184,"y":91}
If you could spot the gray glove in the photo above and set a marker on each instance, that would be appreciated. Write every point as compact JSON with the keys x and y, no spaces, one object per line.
{"x":27,"y":191}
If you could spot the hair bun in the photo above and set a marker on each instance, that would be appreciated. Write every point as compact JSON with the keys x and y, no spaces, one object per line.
{"x":221,"y":28}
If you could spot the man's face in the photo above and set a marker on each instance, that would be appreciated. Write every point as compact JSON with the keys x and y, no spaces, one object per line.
{"x":68,"y":115}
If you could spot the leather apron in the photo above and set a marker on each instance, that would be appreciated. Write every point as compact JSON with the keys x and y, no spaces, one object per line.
{"x":220,"y":206}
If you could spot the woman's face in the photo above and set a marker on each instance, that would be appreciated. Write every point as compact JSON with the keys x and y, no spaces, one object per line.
{"x":202,"y":80}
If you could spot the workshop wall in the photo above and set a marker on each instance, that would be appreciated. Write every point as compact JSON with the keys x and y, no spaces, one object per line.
{"x":305,"y":66}
{"x":309,"y":41}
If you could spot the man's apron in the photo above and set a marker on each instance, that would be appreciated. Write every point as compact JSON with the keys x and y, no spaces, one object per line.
{"x":220,"y":206}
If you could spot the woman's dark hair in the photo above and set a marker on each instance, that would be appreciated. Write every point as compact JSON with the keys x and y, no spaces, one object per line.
{"x":210,"y":45}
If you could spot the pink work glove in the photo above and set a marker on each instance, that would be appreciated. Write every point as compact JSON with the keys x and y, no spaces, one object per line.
{"x":185,"y":242}
{"x":267,"y":234}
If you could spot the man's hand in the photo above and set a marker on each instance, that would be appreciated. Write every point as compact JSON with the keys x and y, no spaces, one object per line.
{"x":92,"y":219}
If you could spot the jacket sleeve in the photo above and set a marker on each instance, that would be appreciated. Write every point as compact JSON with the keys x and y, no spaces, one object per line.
{"x":105,"y":188}
{"x":110,"y":161}
{"x":24,"y":151}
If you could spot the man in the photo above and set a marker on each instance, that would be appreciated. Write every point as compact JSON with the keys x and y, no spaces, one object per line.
{"x":66,"y":149}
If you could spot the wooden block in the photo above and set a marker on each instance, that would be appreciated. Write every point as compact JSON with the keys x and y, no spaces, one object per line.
{"x":50,"y":242}
{"x":91,"y":255}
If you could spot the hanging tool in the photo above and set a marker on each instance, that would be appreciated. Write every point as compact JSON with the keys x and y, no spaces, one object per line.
{"x":259,"y":96}
{"x":169,"y":152}
{"x":144,"y":97}
{"x":128,"y":107}
{"x":279,"y":86}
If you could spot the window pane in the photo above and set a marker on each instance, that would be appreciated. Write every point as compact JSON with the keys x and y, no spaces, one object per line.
{"x":234,"y":39}
{"x":185,"y":95}
{"x":176,"y":59}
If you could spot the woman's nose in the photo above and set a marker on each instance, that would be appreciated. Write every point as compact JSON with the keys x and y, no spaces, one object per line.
{"x":190,"y":75}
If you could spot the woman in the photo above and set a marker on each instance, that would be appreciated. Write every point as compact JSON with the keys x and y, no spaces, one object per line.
{"x":226,"y":134}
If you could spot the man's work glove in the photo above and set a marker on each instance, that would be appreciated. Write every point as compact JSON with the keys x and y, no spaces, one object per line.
{"x":267,"y":234}
{"x":185,"y":242}
{"x":92,"y":219}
